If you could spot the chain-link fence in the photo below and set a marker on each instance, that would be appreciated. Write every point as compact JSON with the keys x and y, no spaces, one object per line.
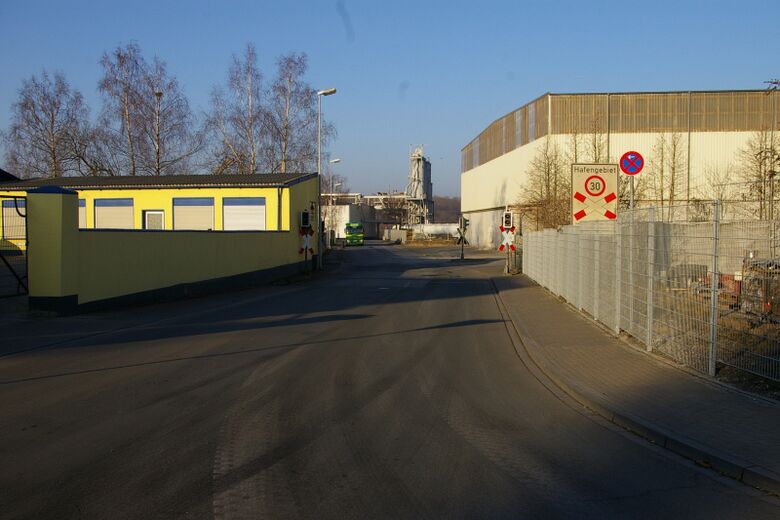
{"x":682,"y":282}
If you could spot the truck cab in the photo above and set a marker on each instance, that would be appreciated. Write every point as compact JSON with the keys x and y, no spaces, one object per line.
{"x":354,"y":234}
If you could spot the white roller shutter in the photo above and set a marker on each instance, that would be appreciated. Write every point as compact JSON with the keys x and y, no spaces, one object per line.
{"x":113,"y":213}
{"x":193,"y":213}
{"x":82,"y":213}
{"x":243,"y":213}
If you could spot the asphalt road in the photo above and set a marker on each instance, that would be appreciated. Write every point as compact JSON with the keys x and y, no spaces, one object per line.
{"x":389,"y":388}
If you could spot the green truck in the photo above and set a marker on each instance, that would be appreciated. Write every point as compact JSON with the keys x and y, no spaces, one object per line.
{"x":354,"y":234}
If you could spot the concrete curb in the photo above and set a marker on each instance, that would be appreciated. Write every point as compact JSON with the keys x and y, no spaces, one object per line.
{"x":747,"y":473}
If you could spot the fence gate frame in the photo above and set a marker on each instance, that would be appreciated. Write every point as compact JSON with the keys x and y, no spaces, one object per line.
{"x":22,"y":280}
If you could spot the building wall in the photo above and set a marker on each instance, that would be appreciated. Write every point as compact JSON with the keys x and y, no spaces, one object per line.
{"x":500,"y":182}
{"x":483,"y":231}
{"x":719,"y":124}
{"x":489,"y":188}
{"x":337,"y":216}
{"x":106,"y":266}
{"x":277,"y":203}
{"x":625,"y":112}
{"x":162,"y":199}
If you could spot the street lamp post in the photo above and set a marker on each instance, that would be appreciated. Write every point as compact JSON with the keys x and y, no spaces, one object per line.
{"x":320,"y":93}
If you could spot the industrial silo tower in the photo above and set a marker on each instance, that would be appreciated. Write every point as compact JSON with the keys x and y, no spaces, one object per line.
{"x":419,"y":191}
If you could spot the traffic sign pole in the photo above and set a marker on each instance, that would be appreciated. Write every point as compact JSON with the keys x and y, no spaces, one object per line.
{"x":631,"y":184}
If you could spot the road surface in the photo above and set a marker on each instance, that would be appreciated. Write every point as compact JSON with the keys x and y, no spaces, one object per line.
{"x":390,"y":388}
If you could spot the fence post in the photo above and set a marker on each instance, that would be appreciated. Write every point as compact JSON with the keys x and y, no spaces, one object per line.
{"x":596,"y":249}
{"x":53,"y":249}
{"x":650,"y":276}
{"x":631,"y":328}
{"x":579,"y":270}
{"x":714,"y":278}
{"x":618,"y":274}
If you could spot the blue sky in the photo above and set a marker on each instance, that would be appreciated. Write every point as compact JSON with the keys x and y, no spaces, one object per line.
{"x":425,"y":72}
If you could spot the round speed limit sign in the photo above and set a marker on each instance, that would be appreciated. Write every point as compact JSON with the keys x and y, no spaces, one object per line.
{"x":595,"y":185}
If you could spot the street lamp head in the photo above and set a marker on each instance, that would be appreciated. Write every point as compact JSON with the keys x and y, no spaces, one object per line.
{"x":326,"y":92}
{"x":158,"y":94}
{"x":334,"y":161}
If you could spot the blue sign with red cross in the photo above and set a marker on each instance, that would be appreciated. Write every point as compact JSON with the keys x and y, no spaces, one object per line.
{"x":631,"y":163}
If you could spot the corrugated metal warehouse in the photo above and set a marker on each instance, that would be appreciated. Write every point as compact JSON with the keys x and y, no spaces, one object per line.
{"x":694,"y":144}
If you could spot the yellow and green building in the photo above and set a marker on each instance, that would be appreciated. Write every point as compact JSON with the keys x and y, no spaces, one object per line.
{"x":114,"y":239}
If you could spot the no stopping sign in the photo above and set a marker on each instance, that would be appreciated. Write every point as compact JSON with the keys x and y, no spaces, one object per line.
{"x":631,"y":163}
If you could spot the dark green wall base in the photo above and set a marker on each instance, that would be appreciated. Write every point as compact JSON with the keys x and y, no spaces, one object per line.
{"x":56,"y":304}
{"x":69,"y":304}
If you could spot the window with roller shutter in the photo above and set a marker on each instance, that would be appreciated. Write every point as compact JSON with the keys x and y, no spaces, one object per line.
{"x":82,"y":213}
{"x":193,"y":213}
{"x":243,"y":213}
{"x":114,"y":213}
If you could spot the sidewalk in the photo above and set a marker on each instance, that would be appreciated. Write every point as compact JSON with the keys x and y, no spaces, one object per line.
{"x":729,"y":430}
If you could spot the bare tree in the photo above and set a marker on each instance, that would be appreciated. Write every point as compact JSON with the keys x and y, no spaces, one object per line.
{"x":664,"y":179}
{"x":92,"y":148}
{"x":291,"y":117}
{"x":43,"y":120}
{"x":597,"y":141}
{"x":548,"y":186}
{"x":334,"y":183}
{"x":656,"y":169}
{"x":124,"y":72}
{"x":166,"y":122}
{"x":757,"y":162}
{"x":719,"y":185}
{"x":675,"y":161}
{"x":236,"y":118}
{"x":574,"y":151}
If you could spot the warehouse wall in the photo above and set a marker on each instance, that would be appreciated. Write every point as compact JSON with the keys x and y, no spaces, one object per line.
{"x":500,"y":182}
{"x":492,"y":186}
{"x":483,"y":231}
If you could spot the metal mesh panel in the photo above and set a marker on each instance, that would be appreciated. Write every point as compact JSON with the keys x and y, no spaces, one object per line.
{"x":570,"y":279}
{"x":13,"y":246}
{"x":682,"y":290}
{"x":676,"y":278}
{"x":587,"y":273}
{"x":749,"y":297}
{"x":606,"y":279}
{"x":634,"y":253}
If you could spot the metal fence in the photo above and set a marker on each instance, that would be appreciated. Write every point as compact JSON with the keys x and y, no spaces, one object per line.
{"x":13,"y":246}
{"x":700,"y":292}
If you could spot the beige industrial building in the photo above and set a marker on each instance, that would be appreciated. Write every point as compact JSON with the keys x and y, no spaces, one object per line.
{"x":695,"y":145}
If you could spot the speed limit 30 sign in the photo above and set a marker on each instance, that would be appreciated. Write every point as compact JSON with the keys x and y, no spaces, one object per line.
{"x":594,"y":192}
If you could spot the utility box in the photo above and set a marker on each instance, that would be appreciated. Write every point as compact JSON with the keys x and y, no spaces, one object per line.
{"x":305,"y":219}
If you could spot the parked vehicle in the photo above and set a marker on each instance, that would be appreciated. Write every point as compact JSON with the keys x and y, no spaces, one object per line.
{"x":760,"y":289}
{"x":354,"y":234}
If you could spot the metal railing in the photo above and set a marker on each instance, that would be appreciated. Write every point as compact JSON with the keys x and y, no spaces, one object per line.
{"x":701,"y":293}
{"x":13,"y":246}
